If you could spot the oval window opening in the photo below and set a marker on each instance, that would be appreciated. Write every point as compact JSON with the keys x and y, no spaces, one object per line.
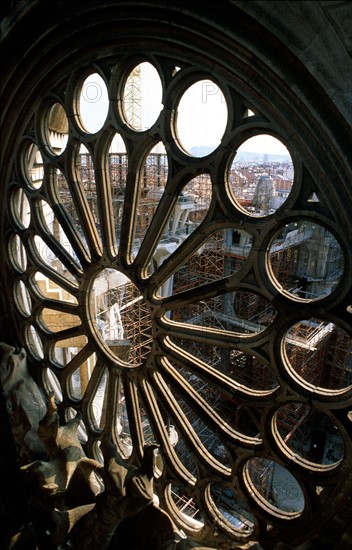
{"x":120,"y":318}
{"x":57,"y":129}
{"x":118,"y":168}
{"x":261,"y":175}
{"x":17,"y":254}
{"x":65,"y":350}
{"x":21,"y":209}
{"x":306,"y":260}
{"x":151,"y":190}
{"x":221,"y":255}
{"x":22,"y":298}
{"x":274,"y":487}
{"x":248,"y":370}
{"x":34,"y":343}
{"x":52,"y":384}
{"x":98,"y":402}
{"x":240,"y":312}
{"x":142,"y":97}
{"x":93,"y":103}
{"x":232,"y":506}
{"x":319,"y":355}
{"x":57,"y":322}
{"x":185,"y":507}
{"x":33,"y":165}
{"x":122,"y":423}
{"x":309,"y":434}
{"x":201,"y":118}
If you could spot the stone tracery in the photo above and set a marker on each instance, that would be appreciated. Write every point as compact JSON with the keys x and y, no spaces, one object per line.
{"x":293,"y":392}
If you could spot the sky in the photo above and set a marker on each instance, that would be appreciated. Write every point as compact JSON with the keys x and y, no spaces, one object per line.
{"x":201,"y":118}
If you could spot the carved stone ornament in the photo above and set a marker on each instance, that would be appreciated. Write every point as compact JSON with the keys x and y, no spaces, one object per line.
{"x":76,"y":501}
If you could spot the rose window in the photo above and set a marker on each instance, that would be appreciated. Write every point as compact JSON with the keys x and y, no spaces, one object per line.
{"x":172,"y":275}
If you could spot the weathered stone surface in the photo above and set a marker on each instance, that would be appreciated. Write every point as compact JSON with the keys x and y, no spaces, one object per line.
{"x":25,"y":402}
{"x":79,"y":501}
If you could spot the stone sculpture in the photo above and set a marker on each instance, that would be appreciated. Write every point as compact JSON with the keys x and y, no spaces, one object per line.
{"x":25,"y":402}
{"x":77,"y":502}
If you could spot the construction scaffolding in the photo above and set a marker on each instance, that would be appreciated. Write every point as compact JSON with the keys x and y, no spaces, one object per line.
{"x":320,"y":353}
{"x":132,"y":100}
{"x":339,"y":354}
{"x":150,"y":192}
{"x":118,"y":167}
{"x":291,"y":419}
{"x":135,"y":318}
{"x":309,"y":433}
{"x":203,"y":267}
{"x":305,"y":259}
{"x":248,"y":370}
{"x":122,"y":317}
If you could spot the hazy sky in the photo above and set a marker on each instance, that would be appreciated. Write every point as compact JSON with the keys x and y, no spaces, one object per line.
{"x":201,"y":118}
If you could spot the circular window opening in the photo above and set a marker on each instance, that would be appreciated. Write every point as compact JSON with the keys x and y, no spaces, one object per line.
{"x":142,"y":97}
{"x":93,"y":103}
{"x":306,"y":260}
{"x":56,"y":129}
{"x":274,"y":487}
{"x":201,"y":118}
{"x":320,"y":355}
{"x":261,"y":175}
{"x":309,"y":434}
{"x":120,"y":318}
